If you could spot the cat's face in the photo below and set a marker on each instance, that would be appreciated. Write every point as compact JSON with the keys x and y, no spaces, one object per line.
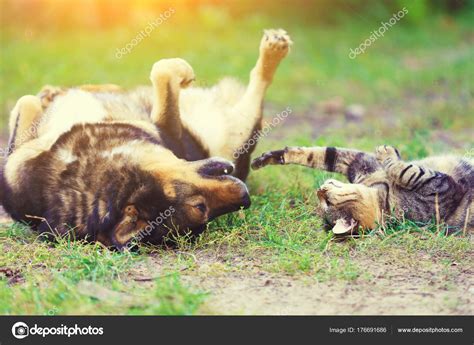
{"x":347,"y":207}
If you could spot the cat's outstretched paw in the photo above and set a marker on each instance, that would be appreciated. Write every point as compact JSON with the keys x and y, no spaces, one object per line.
{"x":269,"y":158}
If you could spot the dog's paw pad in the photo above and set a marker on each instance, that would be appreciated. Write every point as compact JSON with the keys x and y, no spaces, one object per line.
{"x":175,"y":68}
{"x":276,"y":42}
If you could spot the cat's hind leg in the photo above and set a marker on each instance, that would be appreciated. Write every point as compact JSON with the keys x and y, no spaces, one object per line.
{"x":423,"y":194}
{"x":406,"y":175}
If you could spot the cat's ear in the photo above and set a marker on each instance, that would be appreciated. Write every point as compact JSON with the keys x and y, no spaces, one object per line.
{"x":344,"y":226}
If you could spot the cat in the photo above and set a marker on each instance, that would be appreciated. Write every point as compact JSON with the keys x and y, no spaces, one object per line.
{"x":435,"y":188}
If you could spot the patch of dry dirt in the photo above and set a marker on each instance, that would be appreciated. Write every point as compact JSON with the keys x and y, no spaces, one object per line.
{"x":389,"y":288}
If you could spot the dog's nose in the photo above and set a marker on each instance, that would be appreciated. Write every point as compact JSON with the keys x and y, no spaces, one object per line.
{"x":239,"y":196}
{"x":246,"y":200}
{"x":231,"y":196}
{"x":215,"y":167}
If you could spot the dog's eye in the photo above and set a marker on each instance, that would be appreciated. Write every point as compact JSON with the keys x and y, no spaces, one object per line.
{"x":201,"y":207}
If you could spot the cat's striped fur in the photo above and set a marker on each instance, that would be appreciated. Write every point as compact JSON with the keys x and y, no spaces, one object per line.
{"x":435,"y":188}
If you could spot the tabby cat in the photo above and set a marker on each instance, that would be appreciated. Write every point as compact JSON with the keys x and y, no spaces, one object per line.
{"x":435,"y":188}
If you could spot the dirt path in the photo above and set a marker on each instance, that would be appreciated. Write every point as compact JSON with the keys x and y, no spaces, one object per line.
{"x":390,"y":287}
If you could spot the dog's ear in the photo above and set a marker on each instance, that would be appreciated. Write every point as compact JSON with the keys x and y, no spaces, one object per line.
{"x":344,"y":226}
{"x":128,"y":226}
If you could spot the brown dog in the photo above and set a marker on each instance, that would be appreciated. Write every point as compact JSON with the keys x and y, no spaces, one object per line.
{"x":113,"y":165}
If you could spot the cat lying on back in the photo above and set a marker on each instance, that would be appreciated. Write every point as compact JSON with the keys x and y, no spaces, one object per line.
{"x":435,"y":188}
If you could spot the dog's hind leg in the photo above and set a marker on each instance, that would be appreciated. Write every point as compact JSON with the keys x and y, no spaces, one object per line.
{"x":247,"y":114}
{"x":24,"y":120}
{"x":168,"y":76}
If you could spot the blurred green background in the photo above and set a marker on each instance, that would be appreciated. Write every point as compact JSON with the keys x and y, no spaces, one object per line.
{"x":421,"y":68}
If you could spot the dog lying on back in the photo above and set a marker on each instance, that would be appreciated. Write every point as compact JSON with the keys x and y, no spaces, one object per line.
{"x":437,"y":188}
{"x":107,"y":164}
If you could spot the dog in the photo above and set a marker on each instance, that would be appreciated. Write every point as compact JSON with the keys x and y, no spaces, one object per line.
{"x":118,"y":166}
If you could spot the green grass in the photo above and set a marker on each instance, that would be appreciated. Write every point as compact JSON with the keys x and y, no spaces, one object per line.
{"x":416,"y":84}
{"x":410,"y":59}
{"x":65,"y":277}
